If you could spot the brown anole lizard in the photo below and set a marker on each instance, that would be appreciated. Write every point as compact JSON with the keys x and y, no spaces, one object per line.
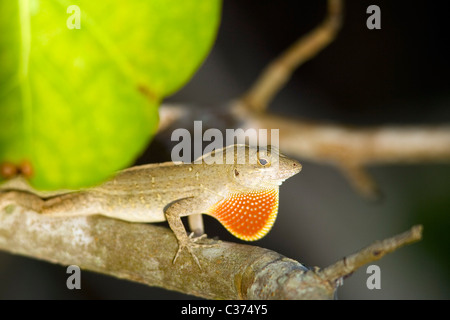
{"x":242,"y":195}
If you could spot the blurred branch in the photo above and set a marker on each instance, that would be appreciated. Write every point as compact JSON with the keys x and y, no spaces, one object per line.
{"x":278,"y":72}
{"x":143,"y":253}
{"x":355,"y":146}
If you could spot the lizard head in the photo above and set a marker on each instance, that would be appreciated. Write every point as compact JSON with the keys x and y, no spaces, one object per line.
{"x":261,"y":167}
{"x":251,"y":207}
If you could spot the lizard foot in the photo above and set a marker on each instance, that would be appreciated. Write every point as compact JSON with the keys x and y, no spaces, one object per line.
{"x":204,"y":236}
{"x":191,"y":243}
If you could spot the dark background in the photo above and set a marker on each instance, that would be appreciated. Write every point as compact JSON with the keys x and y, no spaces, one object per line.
{"x":396,"y":75}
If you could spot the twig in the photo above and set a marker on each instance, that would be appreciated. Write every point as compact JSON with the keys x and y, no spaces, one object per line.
{"x":374,"y":252}
{"x":277,"y":73}
{"x":143,"y":253}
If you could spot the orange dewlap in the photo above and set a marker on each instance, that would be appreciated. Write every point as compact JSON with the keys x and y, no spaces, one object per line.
{"x":248,"y":216}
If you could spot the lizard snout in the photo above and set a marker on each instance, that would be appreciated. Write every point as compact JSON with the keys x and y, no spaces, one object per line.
{"x":296,"y":166}
{"x":288,"y":168}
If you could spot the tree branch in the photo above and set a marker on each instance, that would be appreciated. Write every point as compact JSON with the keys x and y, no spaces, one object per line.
{"x":143,"y":253}
{"x":375,"y":251}
{"x":279,"y":71}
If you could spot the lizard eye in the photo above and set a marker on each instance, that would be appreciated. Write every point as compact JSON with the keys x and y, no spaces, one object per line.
{"x":263,"y":162}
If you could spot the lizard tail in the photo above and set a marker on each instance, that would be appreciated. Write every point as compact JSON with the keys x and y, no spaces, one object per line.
{"x":71,"y":204}
{"x":21,"y":198}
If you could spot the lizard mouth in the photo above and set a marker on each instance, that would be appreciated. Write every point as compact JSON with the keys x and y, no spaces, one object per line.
{"x":248,"y":216}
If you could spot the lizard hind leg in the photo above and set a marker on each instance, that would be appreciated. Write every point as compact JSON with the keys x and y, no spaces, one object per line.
{"x":71,"y":204}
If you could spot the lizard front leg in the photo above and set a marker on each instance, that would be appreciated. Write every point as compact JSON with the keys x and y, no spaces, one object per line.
{"x":182,"y":208}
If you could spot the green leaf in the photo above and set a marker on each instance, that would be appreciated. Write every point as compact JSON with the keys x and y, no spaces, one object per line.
{"x":79,"y":104}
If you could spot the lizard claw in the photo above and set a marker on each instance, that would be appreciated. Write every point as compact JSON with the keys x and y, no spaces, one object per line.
{"x":194,"y":238}
{"x":204,"y":236}
{"x":190,"y":243}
